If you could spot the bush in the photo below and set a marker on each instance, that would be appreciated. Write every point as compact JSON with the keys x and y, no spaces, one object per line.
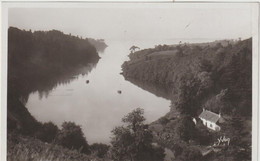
{"x":185,"y":129}
{"x":163,"y":120}
{"x":191,"y":154}
{"x":72,"y":137}
{"x":99,"y":149}
{"x":202,"y":134}
{"x":48,"y":132}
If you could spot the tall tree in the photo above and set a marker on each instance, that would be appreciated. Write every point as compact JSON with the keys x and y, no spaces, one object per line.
{"x":133,"y":142}
{"x":133,"y":48}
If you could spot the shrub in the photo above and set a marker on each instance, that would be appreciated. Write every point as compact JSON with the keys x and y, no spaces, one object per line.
{"x":163,"y":120}
{"x":191,"y":154}
{"x":48,"y":132}
{"x":99,"y":149}
{"x":72,"y":137}
{"x":185,"y":129}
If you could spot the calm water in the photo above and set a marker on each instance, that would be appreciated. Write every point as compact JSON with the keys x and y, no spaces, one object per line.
{"x":97,"y":106}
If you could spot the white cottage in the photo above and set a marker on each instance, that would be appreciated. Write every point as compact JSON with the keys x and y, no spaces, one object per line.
{"x":210,"y":119}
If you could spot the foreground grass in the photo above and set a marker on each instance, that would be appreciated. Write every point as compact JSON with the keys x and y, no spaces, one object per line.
{"x":21,"y":148}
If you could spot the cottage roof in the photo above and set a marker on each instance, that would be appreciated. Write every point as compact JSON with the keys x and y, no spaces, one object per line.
{"x":210,"y":116}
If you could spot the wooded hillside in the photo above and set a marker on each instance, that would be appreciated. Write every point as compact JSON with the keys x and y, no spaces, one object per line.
{"x":214,"y":76}
{"x":210,"y":68}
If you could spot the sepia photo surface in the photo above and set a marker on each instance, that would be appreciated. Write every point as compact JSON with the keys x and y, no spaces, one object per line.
{"x":130,"y":81}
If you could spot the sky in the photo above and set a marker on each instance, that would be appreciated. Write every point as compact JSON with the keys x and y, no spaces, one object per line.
{"x":139,"y":21}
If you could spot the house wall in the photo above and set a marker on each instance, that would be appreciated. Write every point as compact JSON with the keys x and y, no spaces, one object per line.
{"x":210,"y":125}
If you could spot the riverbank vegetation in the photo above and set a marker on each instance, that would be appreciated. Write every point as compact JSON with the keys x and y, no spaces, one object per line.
{"x":216,"y":76}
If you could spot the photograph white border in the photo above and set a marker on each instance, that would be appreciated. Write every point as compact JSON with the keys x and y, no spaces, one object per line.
{"x":5,"y":5}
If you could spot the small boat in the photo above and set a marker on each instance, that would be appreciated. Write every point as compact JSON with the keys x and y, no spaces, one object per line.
{"x":87,"y":81}
{"x":119,"y":92}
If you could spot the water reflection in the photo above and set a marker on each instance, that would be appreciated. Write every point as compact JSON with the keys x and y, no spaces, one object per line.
{"x":157,"y":89}
{"x":44,"y":88}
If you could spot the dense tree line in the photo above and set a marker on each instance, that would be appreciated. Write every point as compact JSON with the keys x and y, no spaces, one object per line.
{"x":43,"y":57}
